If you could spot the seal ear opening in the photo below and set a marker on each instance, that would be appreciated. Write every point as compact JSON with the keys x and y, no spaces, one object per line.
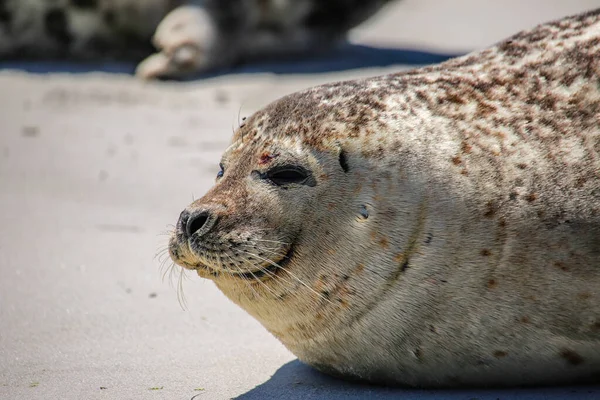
{"x":343,"y":160}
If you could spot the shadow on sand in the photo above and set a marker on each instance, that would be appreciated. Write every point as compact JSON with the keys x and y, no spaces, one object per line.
{"x":295,"y":381}
{"x":345,"y":58}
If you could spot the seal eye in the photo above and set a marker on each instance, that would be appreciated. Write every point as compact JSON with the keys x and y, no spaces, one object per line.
{"x":221,"y":171}
{"x":286,"y":175}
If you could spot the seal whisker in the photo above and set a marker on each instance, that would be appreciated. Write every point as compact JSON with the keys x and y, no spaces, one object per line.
{"x":168,"y":270}
{"x":162,"y":250}
{"x":260,"y":248}
{"x":240,"y":271}
{"x":291,"y":274}
{"x":232,"y":275}
{"x":180,"y":293}
{"x":261,"y":282}
{"x":162,"y":268}
{"x":220,"y":261}
{"x":271,"y":274}
{"x":172,"y":274}
{"x":272,"y":241}
{"x":257,"y":295}
{"x":256,"y":278}
{"x":267,"y":250}
{"x":275,"y":277}
{"x":163,"y":260}
{"x":265,"y":270}
{"x":161,"y":257}
{"x":278,"y":279}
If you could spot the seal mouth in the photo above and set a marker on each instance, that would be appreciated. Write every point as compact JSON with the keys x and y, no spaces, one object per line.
{"x":261,"y":274}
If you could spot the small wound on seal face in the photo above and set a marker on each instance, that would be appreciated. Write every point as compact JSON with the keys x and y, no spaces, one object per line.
{"x":267,"y":158}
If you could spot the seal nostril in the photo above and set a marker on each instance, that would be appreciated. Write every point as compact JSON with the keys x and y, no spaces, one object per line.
{"x":197,"y":222}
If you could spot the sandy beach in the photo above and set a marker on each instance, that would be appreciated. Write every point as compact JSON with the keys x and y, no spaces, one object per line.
{"x":94,"y":170}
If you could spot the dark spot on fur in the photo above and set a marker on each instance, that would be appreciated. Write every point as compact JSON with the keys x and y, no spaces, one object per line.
{"x":500,"y":354}
{"x":283,"y":296}
{"x":531,"y":197}
{"x":484,"y":109}
{"x":492,"y":283}
{"x":325,"y":294}
{"x":429,"y":238}
{"x":456,"y":160}
{"x":383,"y":242}
{"x":580,"y":181}
{"x":454,"y":98}
{"x":596,"y":326}
{"x":418,"y":353}
{"x":512,"y":196}
{"x":486,"y":252}
{"x":85,"y":4}
{"x":572,"y":357}
{"x":584,"y":295}
{"x":343,"y":161}
{"x":525,"y":319}
{"x":56,"y":26}
{"x":521,"y":165}
{"x":541,"y":213}
{"x":519,"y":182}
{"x":561,"y":265}
{"x":490,"y":209}
{"x":466,"y":147}
{"x":404,"y":265}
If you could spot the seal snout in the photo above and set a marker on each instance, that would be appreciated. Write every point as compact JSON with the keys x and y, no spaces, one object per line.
{"x":196,"y":223}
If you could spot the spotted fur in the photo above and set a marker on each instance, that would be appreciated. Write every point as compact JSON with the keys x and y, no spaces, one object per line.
{"x":452,"y":234}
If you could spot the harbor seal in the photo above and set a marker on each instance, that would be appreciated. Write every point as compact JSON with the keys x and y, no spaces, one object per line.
{"x":435,"y":228}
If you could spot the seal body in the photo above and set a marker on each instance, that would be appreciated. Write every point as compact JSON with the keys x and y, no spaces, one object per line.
{"x":439,"y":227}
{"x":192,"y":36}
